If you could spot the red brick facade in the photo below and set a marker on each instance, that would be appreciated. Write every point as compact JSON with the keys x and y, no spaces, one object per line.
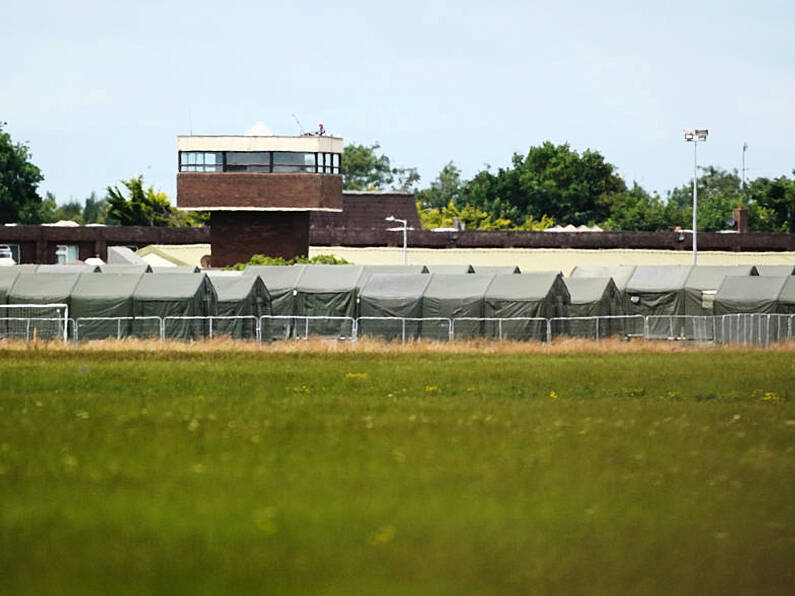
{"x":363,"y":211}
{"x":197,"y":190}
{"x":236,"y":235}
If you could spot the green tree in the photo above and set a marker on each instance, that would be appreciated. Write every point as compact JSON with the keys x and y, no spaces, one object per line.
{"x":94,"y":209}
{"x":364,"y":169}
{"x":19,"y":180}
{"x":444,"y":190}
{"x":551,"y":180}
{"x":777,"y":198}
{"x":146,"y":207}
{"x":637,"y":210}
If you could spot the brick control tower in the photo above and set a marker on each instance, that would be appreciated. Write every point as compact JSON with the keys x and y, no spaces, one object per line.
{"x":259,"y":190}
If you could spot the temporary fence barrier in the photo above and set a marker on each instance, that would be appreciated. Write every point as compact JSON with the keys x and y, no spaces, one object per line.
{"x":405,"y":328}
{"x":198,"y":327}
{"x":598,"y":327}
{"x":119,"y":327}
{"x":42,"y":321}
{"x":304,"y":327}
{"x":754,"y":328}
{"x":511,"y":328}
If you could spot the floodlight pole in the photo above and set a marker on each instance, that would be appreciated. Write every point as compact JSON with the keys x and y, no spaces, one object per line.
{"x":404,"y":228}
{"x":694,"y":136}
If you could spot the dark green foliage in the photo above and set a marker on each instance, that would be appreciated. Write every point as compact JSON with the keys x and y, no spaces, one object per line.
{"x":147,"y":207}
{"x":19,"y":179}
{"x":551,"y":180}
{"x":299,"y":260}
{"x":363,"y":169}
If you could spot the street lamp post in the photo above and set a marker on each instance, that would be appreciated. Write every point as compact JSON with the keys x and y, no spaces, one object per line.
{"x":694,"y":135}
{"x":403,"y":228}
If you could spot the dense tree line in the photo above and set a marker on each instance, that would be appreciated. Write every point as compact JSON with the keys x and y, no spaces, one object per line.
{"x":556,"y":184}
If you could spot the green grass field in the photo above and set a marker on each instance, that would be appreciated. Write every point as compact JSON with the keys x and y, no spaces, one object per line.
{"x":397,"y":473}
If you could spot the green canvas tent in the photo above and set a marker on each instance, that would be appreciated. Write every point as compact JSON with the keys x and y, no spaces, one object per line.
{"x":775,"y":270}
{"x":540,"y":294}
{"x":496,"y":269}
{"x":73,"y":268}
{"x":620,"y":274}
{"x":328,"y":291}
{"x":455,"y":296}
{"x":370,"y":270}
{"x":177,"y":269}
{"x":7,"y":277}
{"x":174,"y":295}
{"x":786,"y":300}
{"x":125,"y":268}
{"x":703,"y":282}
{"x":240,"y":296}
{"x":597,"y":297}
{"x":450,"y":269}
{"x":752,"y":294}
{"x":281,"y":282}
{"x":39,"y":288}
{"x":392,"y":295}
{"x":659,"y":291}
{"x":106,"y":295}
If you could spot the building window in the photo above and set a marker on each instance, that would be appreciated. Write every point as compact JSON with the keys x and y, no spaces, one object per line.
{"x":66,"y":253}
{"x":259,"y":161}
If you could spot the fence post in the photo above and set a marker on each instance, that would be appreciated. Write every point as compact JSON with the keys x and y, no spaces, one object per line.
{"x":500,"y":328}
{"x":66,"y":324}
{"x":403,"y":330}
{"x":549,"y":331}
{"x":597,"y":329}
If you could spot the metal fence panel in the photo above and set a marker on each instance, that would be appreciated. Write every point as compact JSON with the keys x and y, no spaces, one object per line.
{"x":402,"y":329}
{"x":34,"y":321}
{"x":303,"y":327}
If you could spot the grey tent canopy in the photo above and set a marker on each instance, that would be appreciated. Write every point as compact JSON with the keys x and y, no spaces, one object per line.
{"x":282,"y":283}
{"x":174,"y":295}
{"x":329,"y":291}
{"x":454,"y":296}
{"x":177,"y":269}
{"x":392,"y":295}
{"x":620,"y":274}
{"x":659,"y":291}
{"x":450,"y":269}
{"x":703,"y":282}
{"x":240,"y":296}
{"x":595,"y":297}
{"x":40,"y":288}
{"x":107,"y":295}
{"x":7,"y":277}
{"x":541,"y":294}
{"x":72,"y":268}
{"x":496,"y":269}
{"x":125,"y":268}
{"x":752,"y":294}
{"x":776,"y":270}
{"x":370,"y":270}
{"x":786,"y":300}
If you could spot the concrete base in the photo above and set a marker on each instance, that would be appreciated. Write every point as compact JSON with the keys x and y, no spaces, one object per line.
{"x":237,"y":235}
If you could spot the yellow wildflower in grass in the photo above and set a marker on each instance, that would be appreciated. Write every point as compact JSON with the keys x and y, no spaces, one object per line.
{"x":432,"y":389}
{"x":553,"y":395}
{"x":771,"y":397}
{"x":383,"y":536}
{"x":355,"y":375}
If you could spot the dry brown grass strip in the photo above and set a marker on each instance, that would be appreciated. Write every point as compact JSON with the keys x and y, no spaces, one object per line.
{"x":376,"y":346}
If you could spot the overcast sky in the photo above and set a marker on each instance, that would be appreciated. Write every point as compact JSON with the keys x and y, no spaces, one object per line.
{"x":100,"y":90}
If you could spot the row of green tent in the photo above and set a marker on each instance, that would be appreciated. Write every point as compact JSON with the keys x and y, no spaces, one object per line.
{"x":374,"y":293}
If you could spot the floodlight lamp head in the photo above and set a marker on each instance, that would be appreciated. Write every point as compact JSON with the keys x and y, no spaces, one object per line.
{"x":702,"y":134}
{"x":390,"y":218}
{"x":689,"y":134}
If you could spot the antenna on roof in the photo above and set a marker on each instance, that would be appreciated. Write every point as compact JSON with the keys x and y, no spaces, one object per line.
{"x":301,"y":128}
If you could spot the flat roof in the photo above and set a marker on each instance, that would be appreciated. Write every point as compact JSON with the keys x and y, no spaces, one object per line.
{"x":303,"y":143}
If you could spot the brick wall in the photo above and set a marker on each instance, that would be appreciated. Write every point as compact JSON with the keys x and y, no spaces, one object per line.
{"x":245,"y":189}
{"x":368,"y":210}
{"x":235,"y":236}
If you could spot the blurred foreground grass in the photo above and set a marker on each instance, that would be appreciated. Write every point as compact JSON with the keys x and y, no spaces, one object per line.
{"x":323,"y":473}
